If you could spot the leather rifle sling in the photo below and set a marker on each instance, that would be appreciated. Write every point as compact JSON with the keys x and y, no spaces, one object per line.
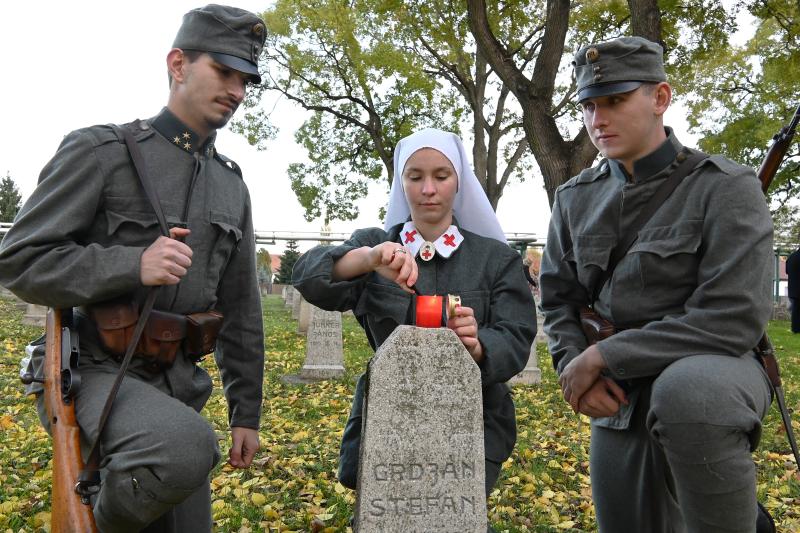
{"x":89,"y":478}
{"x":650,"y":208}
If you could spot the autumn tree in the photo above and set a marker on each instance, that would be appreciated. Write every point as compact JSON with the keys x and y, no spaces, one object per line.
{"x":338,"y":61}
{"x":290,"y":257}
{"x":538,"y":71}
{"x":744,"y":98}
{"x":10,"y":199}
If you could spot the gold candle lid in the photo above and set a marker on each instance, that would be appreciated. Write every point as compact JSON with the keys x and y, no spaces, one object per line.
{"x":452,"y":301}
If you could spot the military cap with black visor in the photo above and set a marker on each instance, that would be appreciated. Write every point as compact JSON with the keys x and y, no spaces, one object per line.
{"x":618,"y":66}
{"x":231,"y":36}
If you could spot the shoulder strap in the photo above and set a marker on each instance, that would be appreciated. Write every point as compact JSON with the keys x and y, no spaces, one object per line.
{"x":144,"y":178}
{"x":89,"y":478}
{"x":655,"y":202}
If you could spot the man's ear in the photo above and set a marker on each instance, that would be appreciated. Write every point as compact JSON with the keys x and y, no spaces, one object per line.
{"x":176,"y":60}
{"x":663,"y":97}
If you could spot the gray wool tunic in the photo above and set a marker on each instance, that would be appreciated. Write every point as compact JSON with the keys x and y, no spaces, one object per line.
{"x":486,"y":273}
{"x":697,"y":279}
{"x":80,"y":237}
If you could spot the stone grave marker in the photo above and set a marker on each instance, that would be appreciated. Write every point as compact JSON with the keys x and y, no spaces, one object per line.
{"x":304,"y":316}
{"x":284,"y":290}
{"x":290,"y":294}
{"x":422,"y":459}
{"x":296,"y":301}
{"x":324,"y":350}
{"x":531,"y":374}
{"x":35,"y":315}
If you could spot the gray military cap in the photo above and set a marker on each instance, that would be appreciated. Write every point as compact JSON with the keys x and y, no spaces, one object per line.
{"x":617,"y":66}
{"x":232,"y":36}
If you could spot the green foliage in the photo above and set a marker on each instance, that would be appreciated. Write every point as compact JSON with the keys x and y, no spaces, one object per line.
{"x":742,"y":99}
{"x":9,"y":199}
{"x":338,"y":60}
{"x":290,"y":257}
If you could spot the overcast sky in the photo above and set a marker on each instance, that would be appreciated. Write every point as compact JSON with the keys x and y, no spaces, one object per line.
{"x":73,"y":64}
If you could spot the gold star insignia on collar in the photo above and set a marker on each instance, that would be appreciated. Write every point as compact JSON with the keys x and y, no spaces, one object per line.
{"x":187,"y":146}
{"x":176,"y":140}
{"x":187,"y":135}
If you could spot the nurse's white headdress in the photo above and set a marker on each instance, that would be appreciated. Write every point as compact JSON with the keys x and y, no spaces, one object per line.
{"x":471,"y":207}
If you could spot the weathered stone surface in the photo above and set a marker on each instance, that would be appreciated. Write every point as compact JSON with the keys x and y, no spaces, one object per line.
{"x":305,"y":317}
{"x":35,"y":315}
{"x":296,"y":301}
{"x":284,"y":290}
{"x":290,"y":294}
{"x":422,"y":458}
{"x":531,"y":374}
{"x":324,"y":350}
{"x":541,"y":336}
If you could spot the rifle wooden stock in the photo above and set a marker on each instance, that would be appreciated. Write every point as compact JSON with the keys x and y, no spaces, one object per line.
{"x":777,"y":151}
{"x":68,"y":513}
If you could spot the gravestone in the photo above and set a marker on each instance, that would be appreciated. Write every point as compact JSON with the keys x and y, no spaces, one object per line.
{"x":35,"y":315}
{"x":290,"y":294}
{"x":422,"y":458}
{"x":296,"y":301}
{"x":284,"y":290}
{"x":531,"y":374}
{"x":324,"y":350}
{"x":304,"y":316}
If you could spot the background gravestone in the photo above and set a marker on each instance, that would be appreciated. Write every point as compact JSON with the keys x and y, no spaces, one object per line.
{"x":324,"y":350}
{"x":296,"y":301}
{"x":531,"y":374}
{"x":304,"y":317}
{"x":422,"y":458}
{"x":290,"y":294}
{"x":35,"y":315}
{"x":284,"y":290}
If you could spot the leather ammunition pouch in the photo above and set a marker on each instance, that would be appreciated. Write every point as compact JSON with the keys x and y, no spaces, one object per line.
{"x":163,"y":335}
{"x":595,"y":328}
{"x":202,"y":330}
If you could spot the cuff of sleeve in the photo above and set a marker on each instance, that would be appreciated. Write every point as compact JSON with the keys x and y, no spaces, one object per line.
{"x":613,"y":353}
{"x":251,"y":422}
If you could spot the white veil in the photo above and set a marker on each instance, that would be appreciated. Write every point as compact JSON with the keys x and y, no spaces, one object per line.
{"x":471,"y":207}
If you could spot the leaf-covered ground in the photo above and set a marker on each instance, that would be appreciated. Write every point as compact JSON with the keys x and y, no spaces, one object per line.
{"x":544,"y":486}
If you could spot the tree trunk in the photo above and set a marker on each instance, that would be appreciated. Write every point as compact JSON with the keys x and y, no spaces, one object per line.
{"x":645,"y":19}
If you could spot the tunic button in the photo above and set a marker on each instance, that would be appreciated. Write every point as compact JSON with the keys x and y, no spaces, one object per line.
{"x":144,"y":126}
{"x":621,"y":371}
{"x":598,"y":77}
{"x":681,"y":157}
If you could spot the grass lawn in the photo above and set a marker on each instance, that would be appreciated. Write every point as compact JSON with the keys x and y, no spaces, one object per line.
{"x":544,"y":486}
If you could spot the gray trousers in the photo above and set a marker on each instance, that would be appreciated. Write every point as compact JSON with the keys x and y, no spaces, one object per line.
{"x":684,"y":464}
{"x":157,"y":453}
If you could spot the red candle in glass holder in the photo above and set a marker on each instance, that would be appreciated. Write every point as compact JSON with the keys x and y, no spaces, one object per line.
{"x":429,"y":311}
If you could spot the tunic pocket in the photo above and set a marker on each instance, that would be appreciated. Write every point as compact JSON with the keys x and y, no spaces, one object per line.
{"x":131,"y":229}
{"x":227,"y":240}
{"x":591,"y":254}
{"x":667,"y":258}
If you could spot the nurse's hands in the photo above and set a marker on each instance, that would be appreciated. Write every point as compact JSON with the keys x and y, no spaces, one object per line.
{"x":394,"y":262}
{"x":466,"y":327}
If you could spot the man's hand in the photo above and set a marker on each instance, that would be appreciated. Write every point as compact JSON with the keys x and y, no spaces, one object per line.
{"x":580,"y":374}
{"x":396,"y":263}
{"x":602,"y":399}
{"x":466,"y":327}
{"x":166,"y":261}
{"x":244,"y":445}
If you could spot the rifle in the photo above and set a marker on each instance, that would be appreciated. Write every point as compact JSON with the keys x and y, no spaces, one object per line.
{"x":69,"y":513}
{"x":777,"y":151}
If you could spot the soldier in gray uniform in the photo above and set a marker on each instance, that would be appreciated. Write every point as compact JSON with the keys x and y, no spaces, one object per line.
{"x":88,"y":234}
{"x":676,"y":396}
